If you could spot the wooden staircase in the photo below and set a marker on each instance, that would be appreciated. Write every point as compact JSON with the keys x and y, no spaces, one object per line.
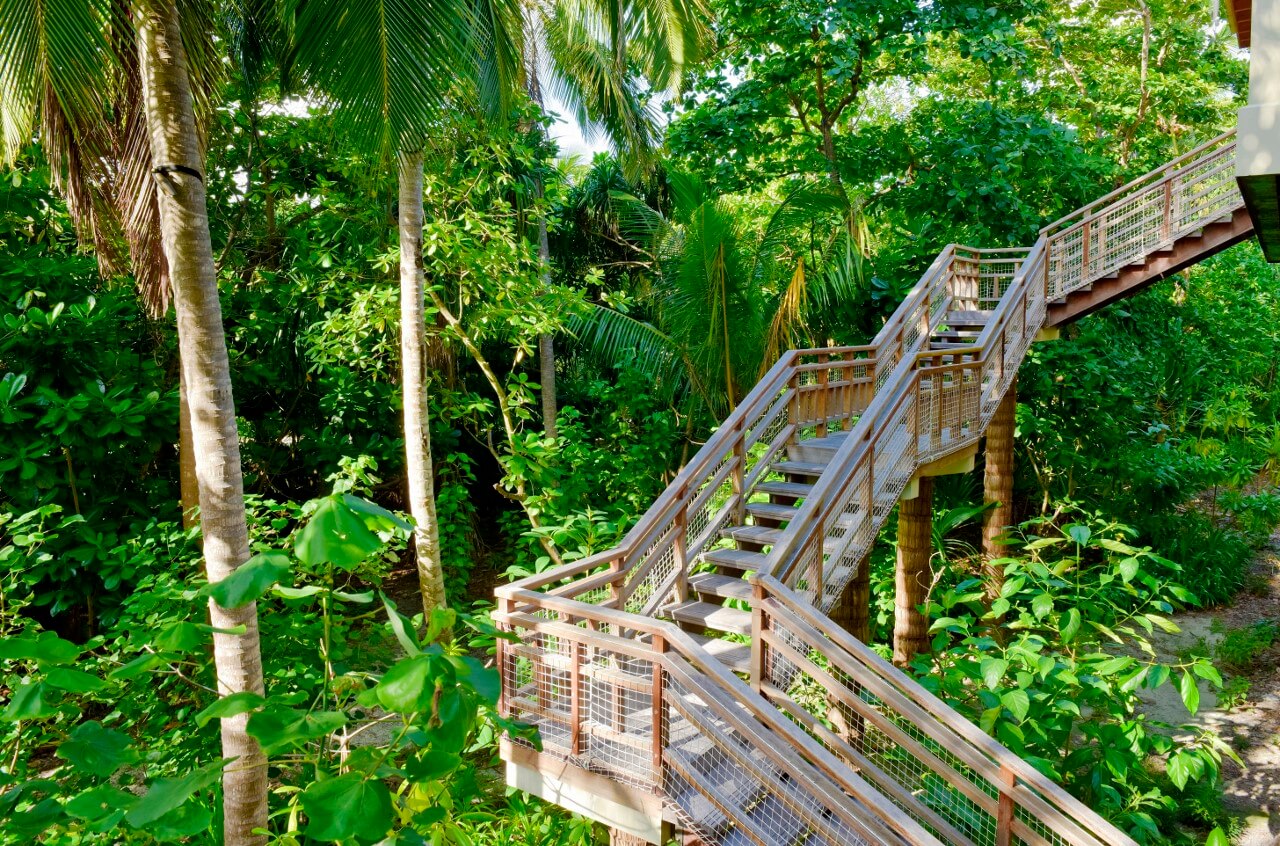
{"x":689,"y":678}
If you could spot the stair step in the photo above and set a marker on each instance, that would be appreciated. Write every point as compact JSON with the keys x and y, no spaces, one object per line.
{"x":800,"y":468}
{"x":772,"y":511}
{"x":958,"y":319}
{"x":737,"y":559}
{"x":711,"y":616}
{"x":949,"y":345}
{"x":752,"y":534}
{"x":796,"y":489}
{"x":725,"y":587}
{"x":735,"y":656}
{"x":817,"y":450}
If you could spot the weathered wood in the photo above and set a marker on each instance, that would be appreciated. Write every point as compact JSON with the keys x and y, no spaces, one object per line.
{"x":709,"y":616}
{"x":913,"y":574}
{"x":997,"y":488}
{"x":852,"y":611}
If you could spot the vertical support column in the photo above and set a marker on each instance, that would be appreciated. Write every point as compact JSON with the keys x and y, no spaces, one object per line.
{"x":997,"y":487}
{"x":853,"y":612}
{"x":913,"y":576}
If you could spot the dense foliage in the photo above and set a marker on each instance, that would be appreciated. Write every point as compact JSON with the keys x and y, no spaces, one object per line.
{"x":816,"y":162}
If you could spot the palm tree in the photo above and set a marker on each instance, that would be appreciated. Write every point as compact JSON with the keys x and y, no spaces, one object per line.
{"x":387,"y":70}
{"x":723,"y":299}
{"x":605,"y":60}
{"x":58,"y":71}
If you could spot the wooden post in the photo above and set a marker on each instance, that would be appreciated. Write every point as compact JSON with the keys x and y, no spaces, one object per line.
{"x":913,"y":576}
{"x":997,"y":487}
{"x":1166,"y":224}
{"x":618,"y":837}
{"x":659,"y":729}
{"x":759,"y":622}
{"x":824,"y":377}
{"x":679,"y":551}
{"x":575,"y":698}
{"x":1085,"y":234}
{"x":1005,"y":808}
{"x":505,"y":607}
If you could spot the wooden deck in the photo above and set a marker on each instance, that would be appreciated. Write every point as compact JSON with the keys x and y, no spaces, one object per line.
{"x":690,"y":677}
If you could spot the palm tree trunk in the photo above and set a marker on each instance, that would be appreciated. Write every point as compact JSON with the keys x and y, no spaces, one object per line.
{"x":188,"y":481}
{"x":547,"y":341}
{"x":413,"y":342}
{"x":184,"y":229}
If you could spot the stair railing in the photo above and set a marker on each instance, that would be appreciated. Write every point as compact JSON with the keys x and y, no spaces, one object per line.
{"x":1142,"y":216}
{"x":936,"y":766}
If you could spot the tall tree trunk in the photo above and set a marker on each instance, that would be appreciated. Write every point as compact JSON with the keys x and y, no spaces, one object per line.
{"x":913,"y":575}
{"x":547,"y":341}
{"x":188,"y":480}
{"x":997,"y":489}
{"x":184,"y":229}
{"x":413,"y":342}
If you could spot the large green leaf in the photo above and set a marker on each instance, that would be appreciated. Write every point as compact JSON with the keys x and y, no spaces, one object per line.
{"x":96,"y":750}
{"x":45,"y":648}
{"x":28,"y":702}
{"x":73,"y":681}
{"x":278,"y":729}
{"x":166,"y":794}
{"x":250,"y":580}
{"x":335,"y":534}
{"x":230,"y":706}
{"x":99,"y":803}
{"x":350,"y":805}
{"x":410,"y":684}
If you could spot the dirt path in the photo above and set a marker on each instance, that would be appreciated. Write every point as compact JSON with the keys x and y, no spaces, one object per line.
{"x":1252,"y":727}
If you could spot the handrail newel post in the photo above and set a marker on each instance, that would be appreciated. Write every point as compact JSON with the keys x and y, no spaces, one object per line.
{"x":504,"y":607}
{"x":575,"y":698}
{"x":659,"y":692}
{"x":1085,"y":237}
{"x":759,"y":623}
{"x":679,"y":551}
{"x":1005,"y":809}
{"x":824,"y":379}
{"x":1166,"y":223}
{"x":739,"y":474}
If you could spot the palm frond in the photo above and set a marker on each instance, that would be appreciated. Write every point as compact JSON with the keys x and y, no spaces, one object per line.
{"x":621,"y":339}
{"x":497,"y":40}
{"x":386,"y":68}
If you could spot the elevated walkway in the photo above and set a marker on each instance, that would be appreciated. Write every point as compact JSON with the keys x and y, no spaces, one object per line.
{"x":690,"y":679}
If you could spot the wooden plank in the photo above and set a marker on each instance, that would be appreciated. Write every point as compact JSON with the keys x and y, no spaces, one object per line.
{"x":736,"y":656}
{"x":741,"y":559}
{"x":711,"y":616}
{"x":725,"y":587}
{"x":721,"y":802}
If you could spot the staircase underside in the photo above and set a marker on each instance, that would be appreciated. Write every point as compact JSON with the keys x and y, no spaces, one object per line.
{"x":1162,"y":264}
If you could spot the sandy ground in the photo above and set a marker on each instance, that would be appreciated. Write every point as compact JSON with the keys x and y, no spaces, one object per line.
{"x":1252,"y":727}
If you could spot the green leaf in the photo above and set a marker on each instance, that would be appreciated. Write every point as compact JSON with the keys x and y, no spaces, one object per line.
{"x":483,"y":680}
{"x":1041,"y":605}
{"x":28,"y":703}
{"x":1190,"y":691}
{"x":347,"y":806}
{"x":1217,"y":837}
{"x":375,"y":516}
{"x":1018,"y":703}
{"x":278,"y":729}
{"x":335,"y":534}
{"x":442,"y":620}
{"x":993,"y":670}
{"x":1113,"y":665}
{"x":138,"y":666}
{"x":432,"y":765}
{"x":250,"y":580}
{"x":180,"y":637}
{"x":1079,"y":533}
{"x":1069,"y":625}
{"x":73,"y":681}
{"x":409,"y":685}
{"x":401,"y":626}
{"x":45,"y":648}
{"x":99,"y":802}
{"x":166,"y":794}
{"x":230,"y":706}
{"x":186,"y":820}
{"x":1177,"y":770}
{"x":1208,"y":672}
{"x":1128,"y":569}
{"x":96,"y":750}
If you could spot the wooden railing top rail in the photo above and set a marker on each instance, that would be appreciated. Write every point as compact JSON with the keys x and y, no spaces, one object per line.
{"x":1167,"y":171}
{"x":985,"y":755}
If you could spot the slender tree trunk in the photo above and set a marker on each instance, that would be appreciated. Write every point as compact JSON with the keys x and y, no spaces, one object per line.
{"x":188,"y":481}
{"x":853,"y":610}
{"x":413,"y":343}
{"x":184,"y":228}
{"x":997,"y":485}
{"x":546,"y":342}
{"x":913,"y":575}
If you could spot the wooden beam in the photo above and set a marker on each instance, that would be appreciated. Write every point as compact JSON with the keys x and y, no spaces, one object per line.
{"x":997,"y":487}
